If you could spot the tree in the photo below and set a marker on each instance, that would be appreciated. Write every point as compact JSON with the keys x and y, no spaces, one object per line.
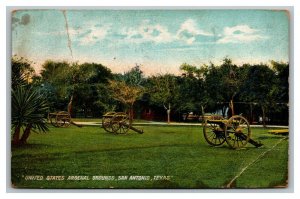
{"x":192,"y":71}
{"x":28,"y":113}
{"x":81,"y":86}
{"x":126,"y":94}
{"x":222,"y":83}
{"x":21,"y":71}
{"x":90,"y":88}
{"x":133,"y":77}
{"x":164,"y":91}
{"x":260,"y":87}
{"x":282,"y":73}
{"x":127,"y":88}
{"x":55,"y":83}
{"x":191,"y":91}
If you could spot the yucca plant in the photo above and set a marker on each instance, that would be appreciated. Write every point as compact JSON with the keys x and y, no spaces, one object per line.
{"x":28,"y":113}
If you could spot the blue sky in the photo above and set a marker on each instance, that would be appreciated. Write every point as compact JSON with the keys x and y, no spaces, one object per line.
{"x":159,"y":40}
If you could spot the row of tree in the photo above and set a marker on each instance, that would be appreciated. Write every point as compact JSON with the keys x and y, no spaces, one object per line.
{"x":92,"y":89}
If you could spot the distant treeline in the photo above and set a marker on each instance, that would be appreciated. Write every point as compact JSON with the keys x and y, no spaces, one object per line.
{"x":261,"y":91}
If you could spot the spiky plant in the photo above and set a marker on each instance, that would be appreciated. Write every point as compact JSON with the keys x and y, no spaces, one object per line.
{"x":28,"y":113}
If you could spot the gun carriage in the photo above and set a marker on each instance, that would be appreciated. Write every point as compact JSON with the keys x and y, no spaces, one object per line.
{"x":118,"y":123}
{"x":60,"y":119}
{"x":235,"y":131}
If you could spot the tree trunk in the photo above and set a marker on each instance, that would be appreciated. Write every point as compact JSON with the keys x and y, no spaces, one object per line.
{"x":70,"y":105}
{"x":16,"y":136}
{"x":168,"y":109}
{"x":231,"y":107}
{"x":168,"y":113}
{"x":131,"y":114}
{"x":263,"y":116}
{"x":202,"y":110}
{"x":26,"y":134}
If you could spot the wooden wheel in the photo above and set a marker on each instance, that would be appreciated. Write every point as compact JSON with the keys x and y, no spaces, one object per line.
{"x":52,"y":119}
{"x":107,"y":121}
{"x":120,"y":123}
{"x":213,"y":133}
{"x":124,"y":124}
{"x":237,"y":132}
{"x":63,"y":119}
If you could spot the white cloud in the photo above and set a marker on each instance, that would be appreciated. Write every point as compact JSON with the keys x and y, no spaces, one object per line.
{"x":148,"y":32}
{"x":88,"y":34}
{"x":93,"y":34}
{"x":240,"y":34}
{"x":189,"y":30}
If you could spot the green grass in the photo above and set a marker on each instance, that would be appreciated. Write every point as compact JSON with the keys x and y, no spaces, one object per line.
{"x":179,"y":152}
{"x":99,"y":120}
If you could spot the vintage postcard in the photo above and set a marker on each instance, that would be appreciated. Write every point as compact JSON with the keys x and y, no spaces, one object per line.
{"x":150,"y":98}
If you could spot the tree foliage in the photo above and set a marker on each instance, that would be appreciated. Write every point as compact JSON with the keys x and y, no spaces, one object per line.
{"x":206,"y":88}
{"x":164,"y":91}
{"x":21,"y":71}
{"x":86,"y":84}
{"x":127,"y":88}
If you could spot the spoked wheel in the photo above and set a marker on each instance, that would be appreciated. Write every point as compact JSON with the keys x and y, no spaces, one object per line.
{"x":237,"y":132}
{"x":115,"y":126}
{"x":52,"y":119}
{"x":106,"y":121}
{"x":213,"y":133}
{"x":120,"y":123}
{"x":63,"y":119}
{"x":124,"y":125}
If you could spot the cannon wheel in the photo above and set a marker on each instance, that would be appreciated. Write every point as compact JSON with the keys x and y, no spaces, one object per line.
{"x":63,"y":119}
{"x":120,"y":123}
{"x":124,"y":124}
{"x":52,"y":119}
{"x":213,"y":134}
{"x":106,"y":121}
{"x":237,"y":132}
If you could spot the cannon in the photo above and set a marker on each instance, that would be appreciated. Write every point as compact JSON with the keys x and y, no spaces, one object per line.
{"x":118,"y":123}
{"x":235,"y":131}
{"x":61,"y":119}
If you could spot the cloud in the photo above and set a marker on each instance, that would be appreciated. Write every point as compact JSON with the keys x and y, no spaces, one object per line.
{"x":84,"y":35}
{"x":148,"y":32}
{"x":189,"y":31}
{"x":240,"y":34}
{"x":92,"y":35}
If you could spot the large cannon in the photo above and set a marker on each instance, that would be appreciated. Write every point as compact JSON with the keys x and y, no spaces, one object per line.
{"x":235,"y":131}
{"x":118,"y":123}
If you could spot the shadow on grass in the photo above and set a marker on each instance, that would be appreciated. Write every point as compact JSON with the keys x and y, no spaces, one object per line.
{"x":137,"y":147}
{"x":31,"y":146}
{"x":268,"y":137}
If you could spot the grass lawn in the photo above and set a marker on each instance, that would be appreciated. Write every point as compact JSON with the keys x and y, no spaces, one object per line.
{"x":99,"y":120}
{"x":178,"y":155}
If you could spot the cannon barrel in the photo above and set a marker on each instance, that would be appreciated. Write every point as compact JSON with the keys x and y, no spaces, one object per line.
{"x":118,"y":122}
{"x":251,"y":141}
{"x":133,"y":128}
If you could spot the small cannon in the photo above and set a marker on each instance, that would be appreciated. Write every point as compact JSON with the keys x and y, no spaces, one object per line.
{"x":61,"y":119}
{"x":118,"y":123}
{"x":235,"y":131}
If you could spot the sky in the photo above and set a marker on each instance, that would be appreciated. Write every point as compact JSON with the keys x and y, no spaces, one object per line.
{"x":157,"y":40}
